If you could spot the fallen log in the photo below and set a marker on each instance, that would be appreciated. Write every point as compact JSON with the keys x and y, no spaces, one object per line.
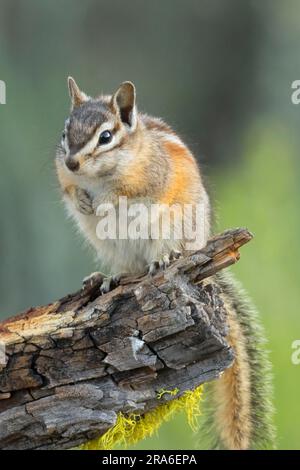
{"x":70,"y":367}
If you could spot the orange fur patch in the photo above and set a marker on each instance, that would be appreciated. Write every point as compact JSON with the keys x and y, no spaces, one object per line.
{"x":183,"y":175}
{"x":135,"y":180}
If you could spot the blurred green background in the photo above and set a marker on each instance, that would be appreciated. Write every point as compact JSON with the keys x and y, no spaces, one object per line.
{"x":220,"y":73}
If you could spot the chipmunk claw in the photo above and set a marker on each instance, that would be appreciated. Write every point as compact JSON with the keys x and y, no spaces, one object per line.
{"x":105,"y":283}
{"x":175,"y":254}
{"x":92,"y":280}
{"x":110,"y":282}
{"x":163,"y":262}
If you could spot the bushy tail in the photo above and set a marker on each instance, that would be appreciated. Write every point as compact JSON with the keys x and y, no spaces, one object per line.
{"x":238,"y":410}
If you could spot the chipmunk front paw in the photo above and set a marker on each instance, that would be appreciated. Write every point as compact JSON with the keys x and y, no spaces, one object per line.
{"x":93,"y":280}
{"x":106,"y":283}
{"x":163,"y":262}
{"x":111,"y":282}
{"x":83,"y":201}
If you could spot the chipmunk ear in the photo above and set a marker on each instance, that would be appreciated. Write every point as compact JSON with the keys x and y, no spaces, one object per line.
{"x":77,"y":96}
{"x":123,"y":102}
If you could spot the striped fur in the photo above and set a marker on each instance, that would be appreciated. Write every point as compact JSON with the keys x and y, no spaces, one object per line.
{"x":147,"y":162}
{"x":238,"y":411}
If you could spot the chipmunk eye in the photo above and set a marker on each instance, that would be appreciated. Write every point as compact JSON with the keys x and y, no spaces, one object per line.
{"x":63,"y":136}
{"x":105,"y":137}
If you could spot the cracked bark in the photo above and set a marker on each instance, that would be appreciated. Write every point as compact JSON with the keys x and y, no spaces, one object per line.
{"x":71,"y":366}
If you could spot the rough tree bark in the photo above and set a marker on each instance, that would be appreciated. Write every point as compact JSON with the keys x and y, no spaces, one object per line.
{"x":71,"y":366}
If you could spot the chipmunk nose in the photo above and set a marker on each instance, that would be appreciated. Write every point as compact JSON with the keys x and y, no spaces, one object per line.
{"x":72,"y":164}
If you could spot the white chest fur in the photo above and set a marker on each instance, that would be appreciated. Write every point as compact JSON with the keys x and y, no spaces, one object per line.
{"x":126,"y":254}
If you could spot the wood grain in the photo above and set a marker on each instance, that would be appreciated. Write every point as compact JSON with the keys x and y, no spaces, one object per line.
{"x":71,"y":366}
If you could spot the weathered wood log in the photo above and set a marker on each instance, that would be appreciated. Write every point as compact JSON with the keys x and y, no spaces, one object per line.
{"x":71,"y":366}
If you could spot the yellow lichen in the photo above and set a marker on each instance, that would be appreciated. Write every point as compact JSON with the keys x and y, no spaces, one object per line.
{"x":163,"y":392}
{"x":132,"y":428}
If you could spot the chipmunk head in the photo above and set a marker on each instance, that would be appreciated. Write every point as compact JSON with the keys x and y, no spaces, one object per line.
{"x":98,"y":132}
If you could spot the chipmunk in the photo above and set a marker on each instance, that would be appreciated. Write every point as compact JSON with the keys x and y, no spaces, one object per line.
{"x":110,"y":150}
